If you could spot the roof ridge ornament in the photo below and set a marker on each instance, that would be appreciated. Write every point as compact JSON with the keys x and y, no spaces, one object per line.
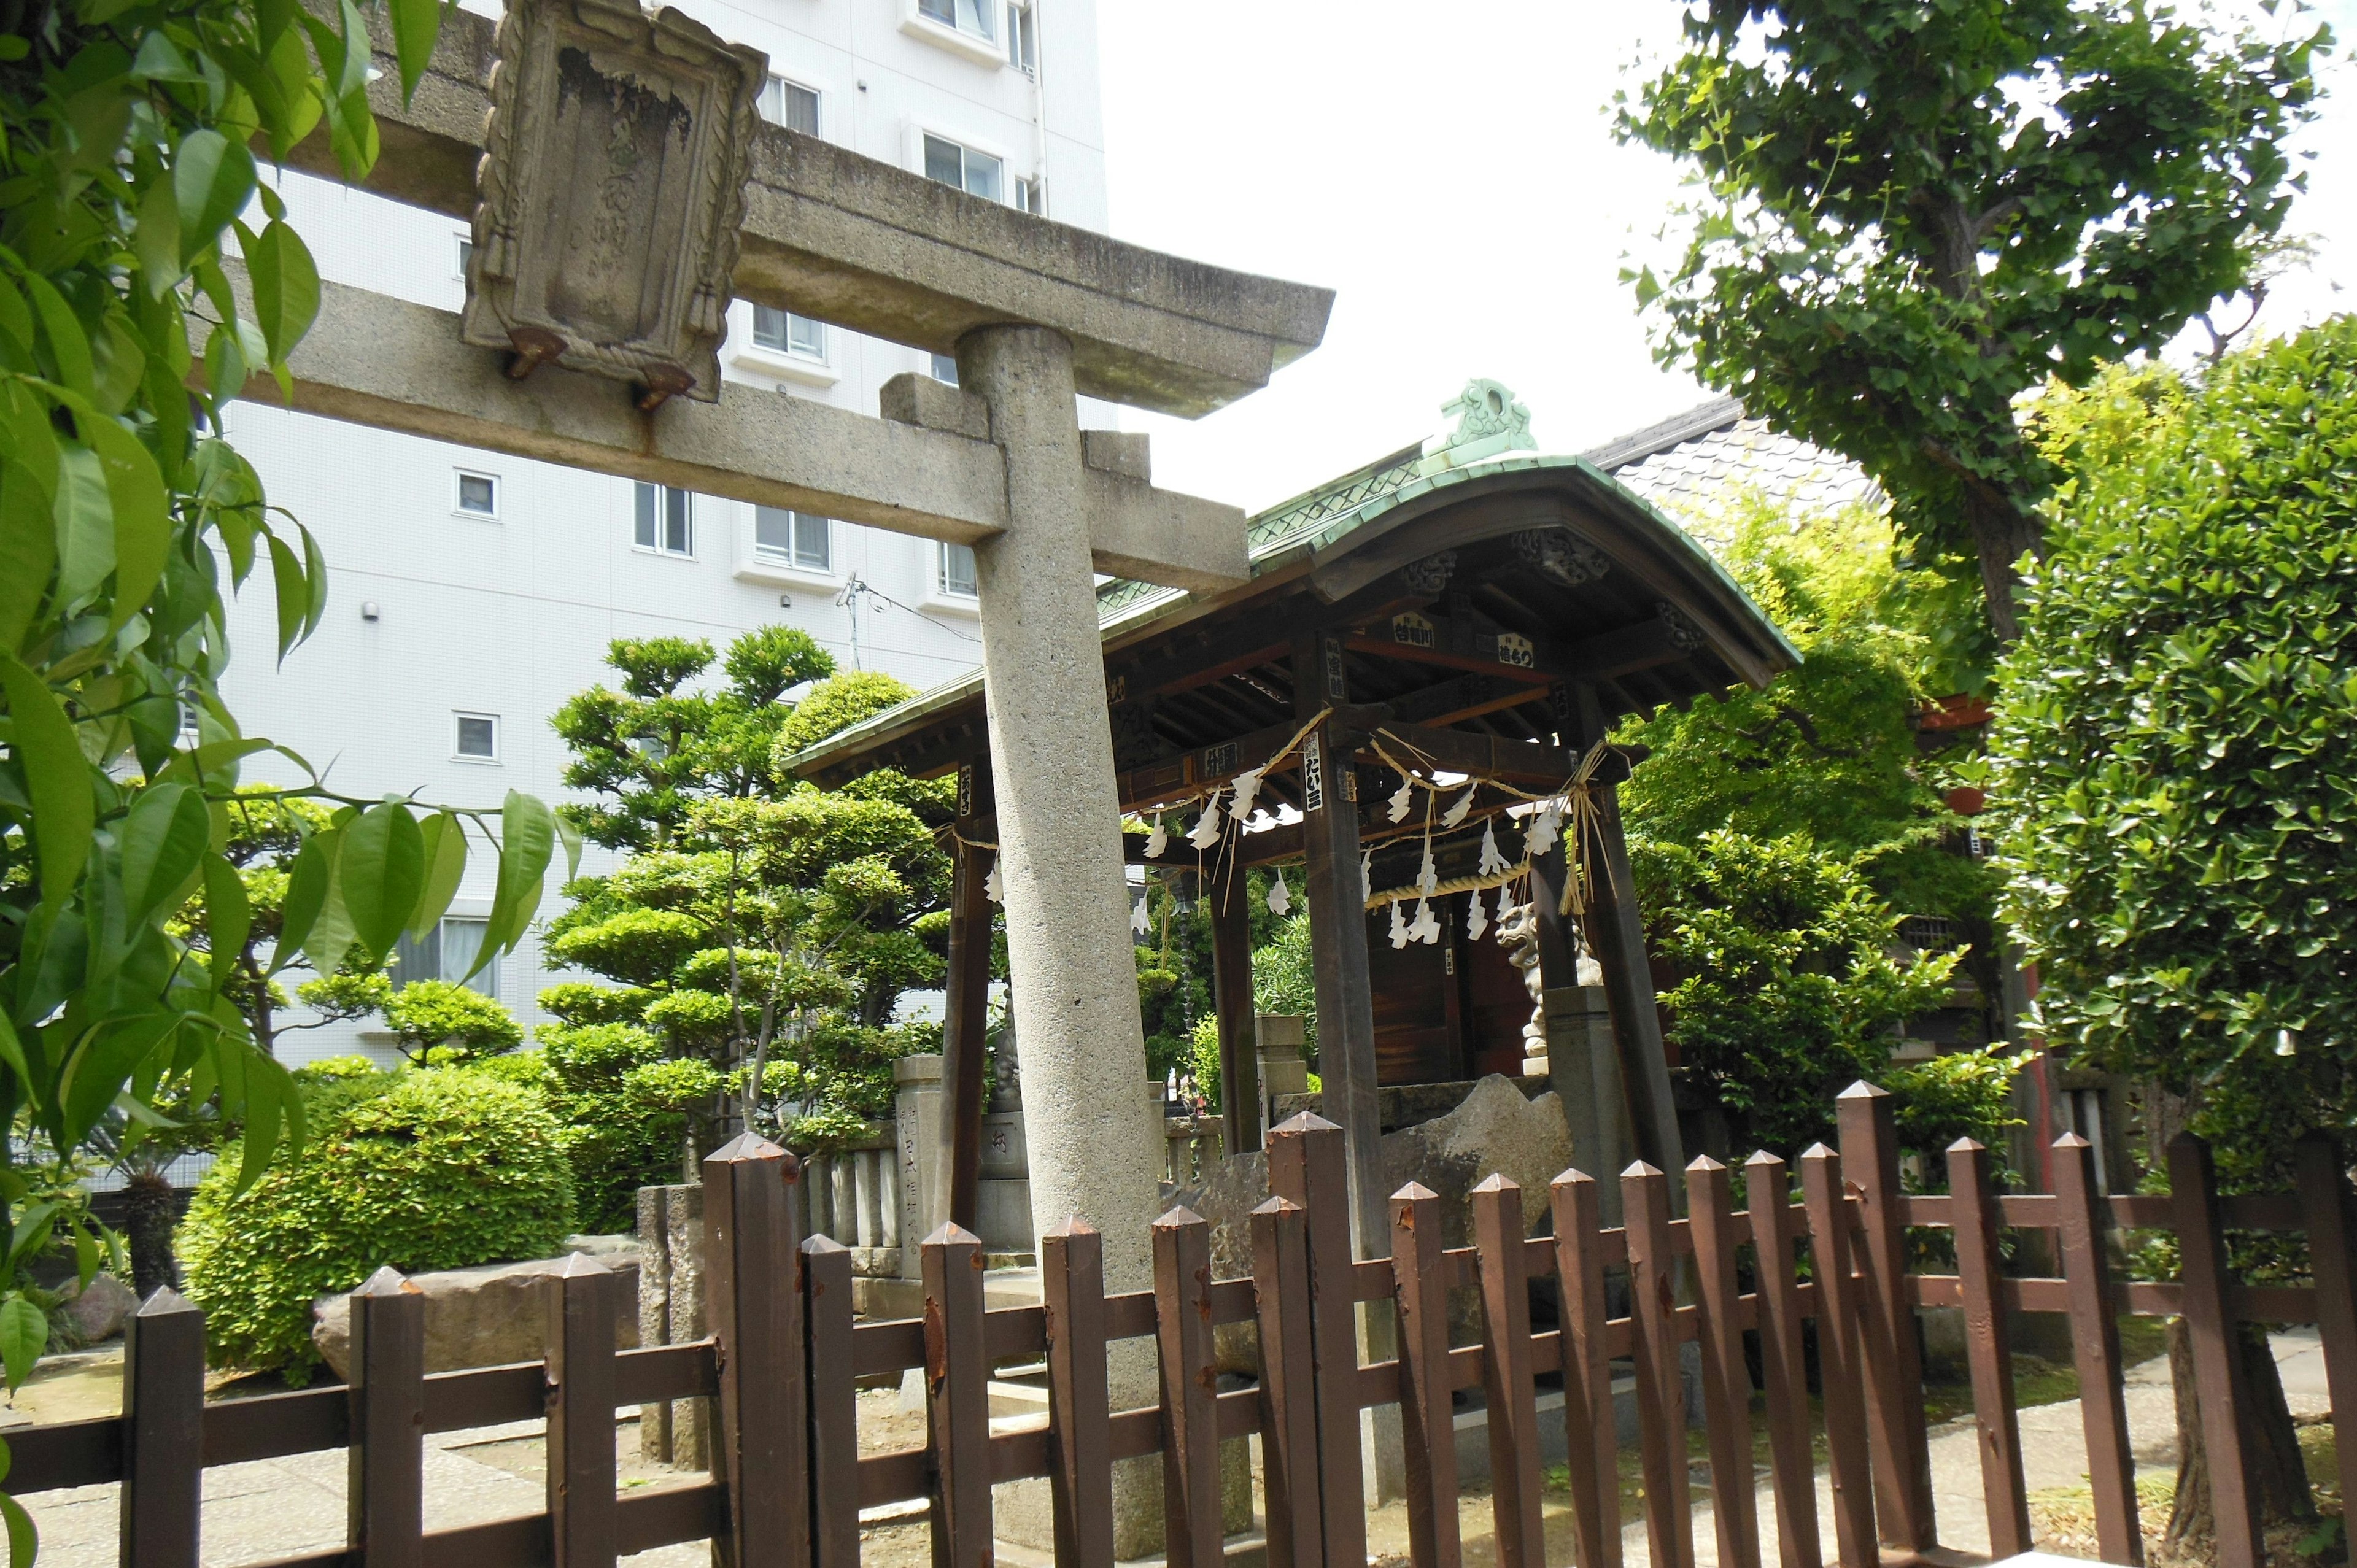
{"x":1486,"y":418}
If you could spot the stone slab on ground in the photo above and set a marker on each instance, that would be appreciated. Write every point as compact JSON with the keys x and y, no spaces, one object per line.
{"x":488,"y":1315}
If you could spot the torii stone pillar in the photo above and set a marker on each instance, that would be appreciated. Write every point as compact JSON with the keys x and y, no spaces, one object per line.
{"x":1084,"y":1062}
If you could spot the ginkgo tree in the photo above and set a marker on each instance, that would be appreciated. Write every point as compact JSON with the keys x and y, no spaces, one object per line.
{"x":131,"y":206}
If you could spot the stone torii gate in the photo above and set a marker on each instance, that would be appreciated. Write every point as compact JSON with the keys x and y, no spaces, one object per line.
{"x":695,"y":200}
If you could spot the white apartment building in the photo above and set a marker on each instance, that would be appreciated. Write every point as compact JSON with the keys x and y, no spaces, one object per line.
{"x":472,"y":594}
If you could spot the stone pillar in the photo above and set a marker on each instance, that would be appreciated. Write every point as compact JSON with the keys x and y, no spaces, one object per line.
{"x":924,"y":1170}
{"x":1584,"y":1068}
{"x":1066,"y":906}
{"x":670,"y":1312}
{"x":1073,"y":979}
{"x":1280,"y":1038}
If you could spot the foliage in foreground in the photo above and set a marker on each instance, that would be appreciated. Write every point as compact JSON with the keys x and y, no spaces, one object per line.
{"x":1913,"y":213}
{"x":431,"y":1169}
{"x":2176,"y":755}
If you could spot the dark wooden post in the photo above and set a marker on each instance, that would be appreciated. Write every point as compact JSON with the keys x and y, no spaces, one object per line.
{"x":2211,"y":1326}
{"x":1768,"y":1184}
{"x":1506,"y":1373}
{"x":1988,"y":1349}
{"x":1894,"y":1365}
{"x":754,"y":1303}
{"x":1725,"y":1375}
{"x":1660,"y":1393}
{"x":1305,"y":1166}
{"x":1071,"y":1279}
{"x":163,"y":1432}
{"x":957,"y":1387}
{"x":1616,"y":934}
{"x":967,"y":1003}
{"x":1191,"y":1416}
{"x":1839,"y":1359}
{"x":1591,"y":1434}
{"x":2324,"y":1200}
{"x":833,"y":1405}
{"x":1289,"y":1385}
{"x":1336,"y":898}
{"x":1420,"y":1270}
{"x":1232,"y":1001}
{"x":583,"y":1299}
{"x":385,"y":1489}
{"x":2095,"y":1349}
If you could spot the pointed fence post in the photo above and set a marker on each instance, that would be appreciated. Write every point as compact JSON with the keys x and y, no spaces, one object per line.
{"x":385,"y":1494}
{"x":1989,"y":1348}
{"x":957,"y":1388}
{"x":1768,"y":1187}
{"x":834,"y":1403}
{"x":1428,"y":1418}
{"x":1190,"y":1415}
{"x":2095,"y":1349}
{"x":2210,"y":1324}
{"x":1307,"y":1166}
{"x":1660,"y":1393}
{"x":1288,"y":1384}
{"x":584,"y":1297}
{"x":1591,"y":1434}
{"x":1894,"y":1364}
{"x":1514,"y":1475}
{"x":753,"y":1300}
{"x":1072,"y":1277}
{"x":163,"y":1432}
{"x":2324,"y":1199}
{"x":1725,"y":1375}
{"x":1839,"y":1359}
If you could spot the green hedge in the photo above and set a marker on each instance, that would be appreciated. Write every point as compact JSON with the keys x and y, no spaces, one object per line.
{"x":435,"y":1170}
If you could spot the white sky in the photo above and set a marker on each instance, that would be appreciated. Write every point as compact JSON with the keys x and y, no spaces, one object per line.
{"x":1449,"y":171}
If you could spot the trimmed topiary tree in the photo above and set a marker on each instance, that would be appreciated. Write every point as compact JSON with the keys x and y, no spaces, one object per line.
{"x":2175,"y":764}
{"x":422,"y":1170}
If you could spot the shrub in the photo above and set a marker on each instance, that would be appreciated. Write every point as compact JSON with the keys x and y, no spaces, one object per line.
{"x":433,"y":1169}
{"x":2173,"y":761}
{"x":615,"y":1142}
{"x":441,"y":1014}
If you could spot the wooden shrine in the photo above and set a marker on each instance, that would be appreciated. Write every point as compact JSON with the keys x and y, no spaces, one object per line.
{"x":1409,"y":697}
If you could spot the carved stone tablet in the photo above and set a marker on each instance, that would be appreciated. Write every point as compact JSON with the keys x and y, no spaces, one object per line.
{"x":610,"y":193}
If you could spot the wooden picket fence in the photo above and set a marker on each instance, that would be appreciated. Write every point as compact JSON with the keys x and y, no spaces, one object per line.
{"x":786,"y":1357}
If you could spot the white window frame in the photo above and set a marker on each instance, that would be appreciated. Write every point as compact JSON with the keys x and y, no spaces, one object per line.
{"x":754,"y":566}
{"x":459,"y":507}
{"x":457,"y":717}
{"x":965,"y":144}
{"x":1023,"y":17}
{"x":779,"y":81}
{"x":658,"y":547}
{"x":1031,"y":195}
{"x":462,"y":245}
{"x":784,"y":364}
{"x":937,"y":595}
{"x":984,"y":49}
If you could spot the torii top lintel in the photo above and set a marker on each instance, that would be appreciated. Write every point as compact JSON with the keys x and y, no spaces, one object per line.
{"x":852,"y":241}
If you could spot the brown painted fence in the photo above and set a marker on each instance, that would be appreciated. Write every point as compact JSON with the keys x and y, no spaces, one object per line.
{"x":785,"y":1358}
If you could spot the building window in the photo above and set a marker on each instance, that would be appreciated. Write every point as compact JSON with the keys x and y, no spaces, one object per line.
{"x":478,"y":494}
{"x":957,"y":579}
{"x":477,"y":739}
{"x":447,"y":953}
{"x":1023,"y":39}
{"x":786,"y":333}
{"x":796,"y":539}
{"x":945,"y":368}
{"x":974,"y":17}
{"x":466,"y":254}
{"x":1031,"y":195}
{"x":790,"y":104}
{"x":665,"y":522}
{"x":976,"y":174}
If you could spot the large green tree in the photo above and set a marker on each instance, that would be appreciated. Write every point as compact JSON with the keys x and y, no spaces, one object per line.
{"x":2175,"y":773}
{"x":763,"y":929}
{"x":1912,"y":211}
